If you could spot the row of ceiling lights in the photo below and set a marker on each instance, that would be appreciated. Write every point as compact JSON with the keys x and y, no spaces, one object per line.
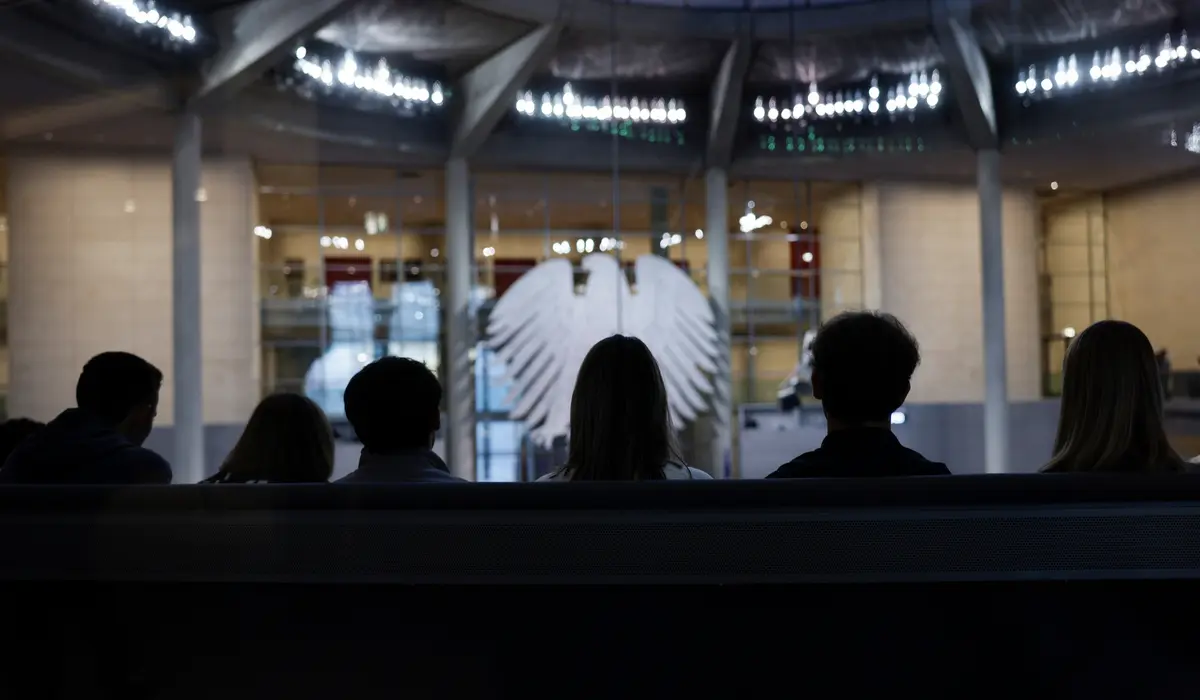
{"x":568,"y":105}
{"x":922,"y":90}
{"x":1107,"y":67}
{"x":146,"y":14}
{"x":379,"y":80}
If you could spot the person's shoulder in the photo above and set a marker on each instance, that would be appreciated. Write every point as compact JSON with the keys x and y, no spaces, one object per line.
{"x":679,"y":472}
{"x":806,"y":465}
{"x":918,"y":464}
{"x":148,"y":466}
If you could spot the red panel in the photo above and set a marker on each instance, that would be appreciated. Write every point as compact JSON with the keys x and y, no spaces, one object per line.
{"x":347,"y":269}
{"x":808,"y":287}
{"x":509,"y":270}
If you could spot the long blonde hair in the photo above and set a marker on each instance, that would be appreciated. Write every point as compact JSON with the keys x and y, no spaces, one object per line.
{"x":1111,"y":419}
{"x":287,"y":440}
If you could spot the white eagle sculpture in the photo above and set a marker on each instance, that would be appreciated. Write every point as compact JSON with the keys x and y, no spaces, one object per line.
{"x":542,"y":329}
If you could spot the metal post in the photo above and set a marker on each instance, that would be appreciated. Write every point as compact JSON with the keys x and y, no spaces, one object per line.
{"x":716,"y":234}
{"x":995,"y":370}
{"x":189,"y":462}
{"x":459,"y":373}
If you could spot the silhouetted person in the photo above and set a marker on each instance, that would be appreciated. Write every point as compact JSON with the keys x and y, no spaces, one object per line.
{"x":100,"y":441}
{"x":862,"y":366}
{"x":1111,"y":416}
{"x":286,"y":441}
{"x":621,"y":426}
{"x":393,"y":406}
{"x":14,"y":431}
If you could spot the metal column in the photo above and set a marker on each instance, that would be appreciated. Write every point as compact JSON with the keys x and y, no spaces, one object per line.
{"x":459,"y":374}
{"x":188,"y":459}
{"x":716,"y":233}
{"x":995,"y":369}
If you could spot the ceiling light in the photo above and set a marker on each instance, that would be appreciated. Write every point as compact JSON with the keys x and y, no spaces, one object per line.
{"x":1107,"y":65}
{"x":1054,"y":185}
{"x":380,"y":81}
{"x":144,"y":14}
{"x":569,"y":105}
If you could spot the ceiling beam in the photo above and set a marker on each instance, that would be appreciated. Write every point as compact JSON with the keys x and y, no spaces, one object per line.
{"x":727,"y":102}
{"x":61,"y":54}
{"x":967,"y":71}
{"x":157,"y":95}
{"x":490,"y":89}
{"x":1141,"y":104}
{"x":262,"y":34}
{"x":658,"y":21}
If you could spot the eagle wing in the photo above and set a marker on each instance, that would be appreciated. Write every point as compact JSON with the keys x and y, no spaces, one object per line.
{"x":676,"y":321}
{"x":531,"y":328}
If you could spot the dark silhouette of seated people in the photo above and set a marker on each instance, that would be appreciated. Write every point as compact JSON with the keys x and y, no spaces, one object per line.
{"x":862,"y":366}
{"x":14,"y":431}
{"x":1111,"y":415}
{"x":620,"y":419}
{"x":99,"y":441}
{"x":393,"y":406}
{"x":287,"y":440}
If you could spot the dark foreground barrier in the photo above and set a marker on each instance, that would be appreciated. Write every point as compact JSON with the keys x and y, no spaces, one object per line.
{"x":947,"y":587}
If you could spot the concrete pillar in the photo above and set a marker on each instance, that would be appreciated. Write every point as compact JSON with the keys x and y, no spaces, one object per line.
{"x":716,"y":234}
{"x":188,"y":460}
{"x":995,"y":364}
{"x":459,"y":375}
{"x":872,"y":247}
{"x":660,"y":219}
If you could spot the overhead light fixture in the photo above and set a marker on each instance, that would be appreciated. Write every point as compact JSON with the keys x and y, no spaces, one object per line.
{"x":921,"y":90}
{"x":1190,"y":140}
{"x":379,"y":79}
{"x":144,"y":14}
{"x":750,"y":223}
{"x":1107,"y":67}
{"x":263,"y":232}
{"x":1054,"y":185}
{"x":567,"y":105}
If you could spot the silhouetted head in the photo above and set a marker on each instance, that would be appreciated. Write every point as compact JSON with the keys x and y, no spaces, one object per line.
{"x":1111,"y":419}
{"x":862,"y":366}
{"x":286,"y":441}
{"x":393,"y":405}
{"x":121,"y":388}
{"x":13,"y":432}
{"x":620,"y":422}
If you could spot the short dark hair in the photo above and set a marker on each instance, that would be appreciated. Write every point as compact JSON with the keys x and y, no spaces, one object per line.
{"x":112,"y":384}
{"x":393,"y":404}
{"x":862,"y":362}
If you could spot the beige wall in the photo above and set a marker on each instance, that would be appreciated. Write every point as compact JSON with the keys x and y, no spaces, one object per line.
{"x":929,"y":276}
{"x":91,"y":270}
{"x":840,"y":223}
{"x":1154,"y":258}
{"x":1074,"y":267}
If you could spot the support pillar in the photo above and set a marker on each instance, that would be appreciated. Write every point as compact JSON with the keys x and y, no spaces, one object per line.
{"x":459,"y":373}
{"x":995,"y":367}
{"x":716,"y":233}
{"x":188,"y":461}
